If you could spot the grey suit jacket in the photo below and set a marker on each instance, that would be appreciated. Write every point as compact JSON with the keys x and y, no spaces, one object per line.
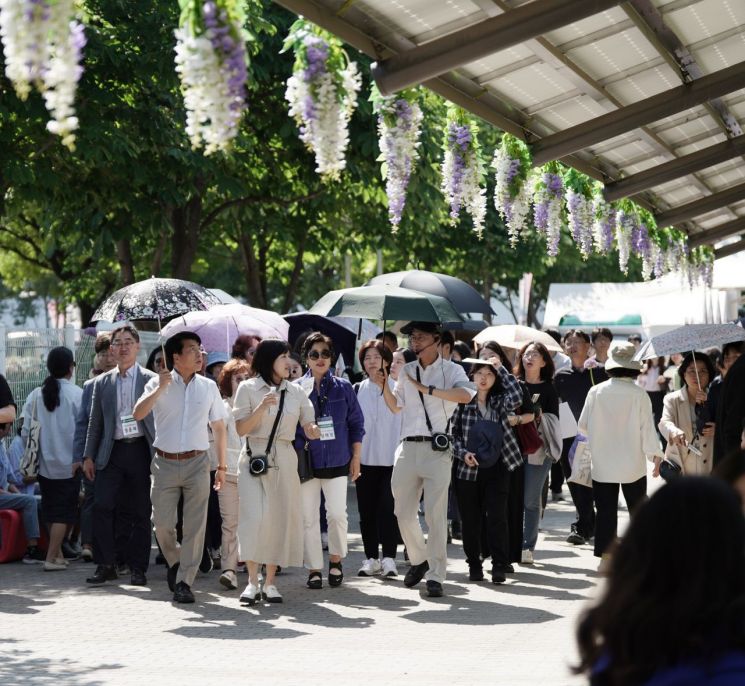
{"x":104,"y":416}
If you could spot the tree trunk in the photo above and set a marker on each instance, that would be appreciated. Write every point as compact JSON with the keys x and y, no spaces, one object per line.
{"x":86,"y":312}
{"x":251,"y":271}
{"x":297,"y":271}
{"x":486,"y":293}
{"x":157,"y":261}
{"x":186,"y":222}
{"x":126,"y":264}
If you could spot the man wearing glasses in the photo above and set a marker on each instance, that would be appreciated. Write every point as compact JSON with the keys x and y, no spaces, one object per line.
{"x":183,"y":404}
{"x":118,"y":450}
{"x":427,"y":392}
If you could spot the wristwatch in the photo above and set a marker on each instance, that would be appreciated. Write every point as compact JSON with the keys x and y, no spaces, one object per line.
{"x":430,"y":390}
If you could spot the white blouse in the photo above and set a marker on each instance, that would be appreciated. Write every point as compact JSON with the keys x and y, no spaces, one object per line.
{"x":382,"y":427}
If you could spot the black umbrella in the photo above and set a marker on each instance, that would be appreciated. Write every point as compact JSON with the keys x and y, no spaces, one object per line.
{"x":154,"y":299}
{"x":463,"y":297}
{"x":344,"y":339}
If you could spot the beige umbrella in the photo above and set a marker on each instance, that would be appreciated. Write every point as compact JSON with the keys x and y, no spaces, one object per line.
{"x":516,"y":336}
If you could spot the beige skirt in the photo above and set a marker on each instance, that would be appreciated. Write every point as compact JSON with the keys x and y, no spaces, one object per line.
{"x":270,"y":526}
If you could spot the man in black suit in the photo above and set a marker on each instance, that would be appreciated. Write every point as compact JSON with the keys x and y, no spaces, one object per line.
{"x":118,"y":452}
{"x":730,"y":412}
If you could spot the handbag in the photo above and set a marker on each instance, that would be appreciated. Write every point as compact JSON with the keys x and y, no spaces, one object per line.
{"x":528,"y":437}
{"x":485,"y":440}
{"x":29,"y":466}
{"x":582,"y":463}
{"x":304,"y":463}
{"x":669,"y":470}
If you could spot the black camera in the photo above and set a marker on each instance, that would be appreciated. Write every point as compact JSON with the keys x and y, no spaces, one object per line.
{"x":440,"y":442}
{"x":258,"y":465}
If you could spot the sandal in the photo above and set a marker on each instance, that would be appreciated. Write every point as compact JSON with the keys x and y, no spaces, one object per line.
{"x":315,"y":580}
{"x":335,"y":579}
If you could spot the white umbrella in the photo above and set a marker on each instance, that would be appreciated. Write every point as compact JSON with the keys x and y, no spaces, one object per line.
{"x":516,"y":336}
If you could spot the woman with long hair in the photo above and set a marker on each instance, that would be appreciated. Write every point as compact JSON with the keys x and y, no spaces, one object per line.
{"x":673,"y":610}
{"x":270,"y":525}
{"x":535,"y":367}
{"x":653,"y":380}
{"x":55,"y":405}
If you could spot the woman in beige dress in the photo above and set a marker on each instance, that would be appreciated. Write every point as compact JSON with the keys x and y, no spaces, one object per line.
{"x":270,"y":528}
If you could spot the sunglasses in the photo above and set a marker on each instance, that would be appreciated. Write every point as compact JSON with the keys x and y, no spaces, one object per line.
{"x":314,"y":354}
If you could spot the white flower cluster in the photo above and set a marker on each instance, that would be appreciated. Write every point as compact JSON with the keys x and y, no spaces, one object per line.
{"x":43,"y":46}
{"x":649,"y":260}
{"x":207,"y":97}
{"x":462,"y":187}
{"x":581,"y":220}
{"x":323,"y":113}
{"x":513,"y":210}
{"x":624,"y":230}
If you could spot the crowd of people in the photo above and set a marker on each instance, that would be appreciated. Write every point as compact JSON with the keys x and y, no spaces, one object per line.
{"x":243,"y":460}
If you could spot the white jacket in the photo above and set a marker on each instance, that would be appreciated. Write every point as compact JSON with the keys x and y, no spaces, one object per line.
{"x":618,"y":422}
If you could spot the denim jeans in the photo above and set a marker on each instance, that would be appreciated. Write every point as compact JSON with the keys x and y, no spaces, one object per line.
{"x":535,"y":477}
{"x":27,"y":505}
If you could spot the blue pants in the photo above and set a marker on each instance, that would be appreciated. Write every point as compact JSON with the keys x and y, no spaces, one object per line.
{"x":535,"y":477}
{"x":27,"y":504}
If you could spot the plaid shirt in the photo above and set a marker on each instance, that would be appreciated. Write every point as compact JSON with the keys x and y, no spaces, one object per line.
{"x":466,"y":416}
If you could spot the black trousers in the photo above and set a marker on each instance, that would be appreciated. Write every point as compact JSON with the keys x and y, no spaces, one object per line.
{"x":488,"y":496}
{"x":126,"y":477}
{"x":581,"y":496}
{"x":606,"y":501}
{"x":378,"y":524}
{"x":213,"y":532}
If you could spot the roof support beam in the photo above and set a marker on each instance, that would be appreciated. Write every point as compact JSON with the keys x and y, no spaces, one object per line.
{"x":717,"y":233}
{"x":485,"y":38}
{"x":699,"y":207}
{"x":657,"y":175}
{"x":728,"y":250}
{"x":640,"y":113}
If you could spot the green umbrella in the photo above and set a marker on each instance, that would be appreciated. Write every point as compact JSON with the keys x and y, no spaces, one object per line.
{"x":386,"y":303}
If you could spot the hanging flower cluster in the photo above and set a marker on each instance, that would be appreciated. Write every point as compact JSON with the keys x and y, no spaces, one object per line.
{"x":548,"y":205}
{"x":513,"y":184}
{"x":463,"y":169}
{"x":43,"y":47}
{"x":211,"y":61}
{"x":580,"y":210}
{"x":399,"y":128}
{"x":322,"y":93}
{"x":604,"y":225}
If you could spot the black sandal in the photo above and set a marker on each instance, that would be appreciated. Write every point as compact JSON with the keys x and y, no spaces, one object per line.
{"x":315,"y":580}
{"x":335,"y":579}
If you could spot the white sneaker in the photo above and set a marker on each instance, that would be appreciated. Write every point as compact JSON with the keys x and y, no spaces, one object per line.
{"x":229,"y":580}
{"x":527,"y":557}
{"x":271,"y":594}
{"x":54,"y":566}
{"x":251,"y":594}
{"x":388,"y":566}
{"x":369,"y":568}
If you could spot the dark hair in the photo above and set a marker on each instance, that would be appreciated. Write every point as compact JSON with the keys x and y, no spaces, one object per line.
{"x":267,"y":351}
{"x":622,"y":373}
{"x":735,"y":345}
{"x":297,"y":358}
{"x":447,"y":338}
{"x":658,"y":362}
{"x":547,"y":372}
{"x":651,"y":615}
{"x":381,"y":347}
{"x":387,"y":336}
{"x":230,"y":369}
{"x":496,"y":389}
{"x":175,"y":345}
{"x":408,"y":353}
{"x":102,"y":343}
{"x":242,"y":344}
{"x":317,"y":337}
{"x":127,"y":328}
{"x":576,"y":332}
{"x":554,"y":333}
{"x":731,"y":468}
{"x":601,"y":331}
{"x":151,"y":359}
{"x":634,"y":337}
{"x":688,"y":361}
{"x":59,"y":361}
{"x":462,"y":348}
{"x":501,"y":354}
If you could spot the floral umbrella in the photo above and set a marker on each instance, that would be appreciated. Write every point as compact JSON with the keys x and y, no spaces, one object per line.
{"x":154,"y":299}
{"x":690,"y":337}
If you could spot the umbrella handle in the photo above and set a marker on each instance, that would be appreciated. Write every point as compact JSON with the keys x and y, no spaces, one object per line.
{"x":160,"y":325}
{"x":695,"y":367}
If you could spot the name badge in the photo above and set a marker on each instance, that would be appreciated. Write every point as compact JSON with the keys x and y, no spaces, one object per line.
{"x":326,"y":425}
{"x":129,"y":425}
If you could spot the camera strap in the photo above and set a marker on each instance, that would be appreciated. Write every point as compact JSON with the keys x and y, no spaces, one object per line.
{"x":426,"y":414}
{"x":274,"y":426}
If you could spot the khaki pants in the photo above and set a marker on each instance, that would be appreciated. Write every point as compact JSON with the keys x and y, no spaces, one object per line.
{"x":335,"y":491}
{"x":171,"y":478}
{"x":228,"y":497}
{"x":418,"y":468}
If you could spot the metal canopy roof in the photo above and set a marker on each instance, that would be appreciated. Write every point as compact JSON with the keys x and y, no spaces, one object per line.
{"x":646,"y":96}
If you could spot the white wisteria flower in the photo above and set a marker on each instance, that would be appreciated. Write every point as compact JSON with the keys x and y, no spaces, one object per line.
{"x":513,"y":187}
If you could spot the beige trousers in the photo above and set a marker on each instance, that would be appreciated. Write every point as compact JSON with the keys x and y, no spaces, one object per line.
{"x":171,"y":478}
{"x":228,"y":497}
{"x":419,"y":468}
{"x":335,"y":491}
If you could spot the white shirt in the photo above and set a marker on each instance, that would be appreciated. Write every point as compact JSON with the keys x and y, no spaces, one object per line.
{"x":183,"y":411}
{"x":441,"y":374}
{"x":125,"y":401}
{"x":235,"y":442}
{"x":382,"y":427}
{"x":618,"y":422}
{"x":648,"y":380}
{"x":57,"y":429}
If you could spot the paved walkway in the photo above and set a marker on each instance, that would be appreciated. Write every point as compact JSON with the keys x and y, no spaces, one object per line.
{"x":55,"y":631}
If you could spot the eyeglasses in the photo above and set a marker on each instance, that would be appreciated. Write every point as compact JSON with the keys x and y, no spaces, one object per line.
{"x":419,"y":337}
{"x":123,"y":344}
{"x":531,"y":353}
{"x":314,"y":354}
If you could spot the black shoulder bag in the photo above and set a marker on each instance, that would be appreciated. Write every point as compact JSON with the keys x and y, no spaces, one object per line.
{"x":440,"y":441}
{"x":258,"y":465}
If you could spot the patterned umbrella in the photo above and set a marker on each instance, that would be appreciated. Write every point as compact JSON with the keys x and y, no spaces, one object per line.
{"x":690,"y":337}
{"x":154,"y":299}
{"x":515,"y":336}
{"x":219,"y":326}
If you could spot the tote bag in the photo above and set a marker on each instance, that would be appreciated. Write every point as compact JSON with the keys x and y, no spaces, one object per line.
{"x":30,"y":461}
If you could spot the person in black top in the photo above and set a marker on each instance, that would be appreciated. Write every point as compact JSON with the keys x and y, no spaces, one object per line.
{"x":730,"y":412}
{"x":573,"y":385}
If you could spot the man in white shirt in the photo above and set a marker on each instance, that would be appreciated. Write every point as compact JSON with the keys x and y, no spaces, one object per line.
{"x":183,"y":404}
{"x":439,"y":386}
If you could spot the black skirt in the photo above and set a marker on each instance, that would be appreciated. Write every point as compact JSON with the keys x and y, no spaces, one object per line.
{"x":59,"y":499}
